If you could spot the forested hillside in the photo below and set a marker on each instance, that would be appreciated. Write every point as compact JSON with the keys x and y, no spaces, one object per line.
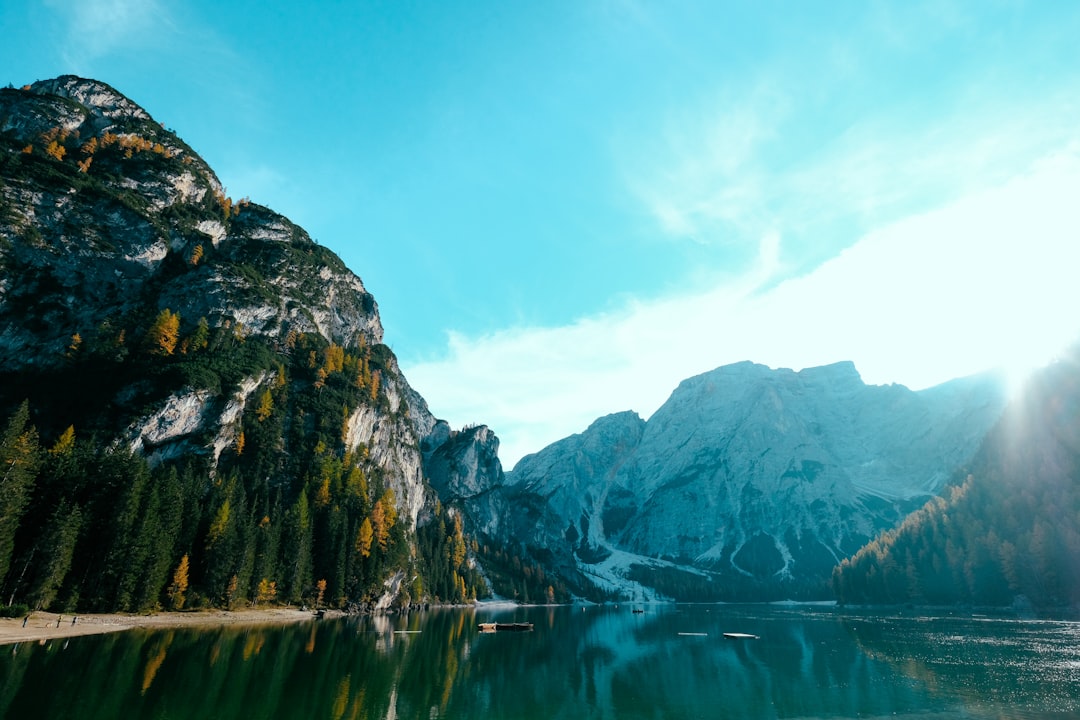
{"x":197,"y":402}
{"x":1008,"y":531}
{"x":289,"y":515}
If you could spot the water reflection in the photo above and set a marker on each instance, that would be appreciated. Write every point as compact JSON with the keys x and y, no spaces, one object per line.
{"x":597,"y":663}
{"x":982,"y":662}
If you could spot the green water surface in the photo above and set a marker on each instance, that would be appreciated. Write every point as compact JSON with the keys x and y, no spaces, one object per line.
{"x":597,"y":662}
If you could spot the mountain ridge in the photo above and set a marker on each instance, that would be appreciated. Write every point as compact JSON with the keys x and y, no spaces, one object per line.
{"x":754,"y":481}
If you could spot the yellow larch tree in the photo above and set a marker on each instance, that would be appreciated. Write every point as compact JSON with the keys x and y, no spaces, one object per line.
{"x":164,"y":333}
{"x":65,"y":443}
{"x":266,"y":405}
{"x":364,"y":536}
{"x":179,"y":584}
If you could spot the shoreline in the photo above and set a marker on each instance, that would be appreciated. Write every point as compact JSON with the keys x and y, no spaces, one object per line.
{"x":42,"y":626}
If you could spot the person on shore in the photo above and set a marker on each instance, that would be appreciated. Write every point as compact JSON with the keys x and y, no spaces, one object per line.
{"x":58,"y":619}
{"x":26,"y":620}
{"x":74,"y":619}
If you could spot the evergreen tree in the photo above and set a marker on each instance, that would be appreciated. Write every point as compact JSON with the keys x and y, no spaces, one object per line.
{"x":58,"y":544}
{"x":298,"y":550}
{"x":18,"y":469}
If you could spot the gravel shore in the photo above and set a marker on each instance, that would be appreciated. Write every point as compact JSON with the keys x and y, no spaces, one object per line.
{"x":50,"y":626}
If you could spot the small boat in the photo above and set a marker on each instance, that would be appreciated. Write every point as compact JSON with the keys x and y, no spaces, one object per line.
{"x":637,"y":611}
{"x":740,"y":636}
{"x":515,"y":626}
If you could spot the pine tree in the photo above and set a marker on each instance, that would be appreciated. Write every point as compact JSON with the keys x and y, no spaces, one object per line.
{"x":19,"y":458}
{"x":58,"y":546}
{"x":201,"y":337}
{"x":298,"y":549}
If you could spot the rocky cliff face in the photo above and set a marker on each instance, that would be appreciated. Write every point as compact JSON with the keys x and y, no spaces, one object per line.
{"x":748,"y":483}
{"x":465,"y":468}
{"x":116,"y":209}
{"x":107,"y":219}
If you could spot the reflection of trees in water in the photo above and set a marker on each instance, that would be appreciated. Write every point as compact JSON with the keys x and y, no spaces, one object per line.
{"x":600,"y":663}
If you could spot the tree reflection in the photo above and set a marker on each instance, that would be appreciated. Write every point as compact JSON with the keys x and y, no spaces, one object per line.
{"x":598,"y":663}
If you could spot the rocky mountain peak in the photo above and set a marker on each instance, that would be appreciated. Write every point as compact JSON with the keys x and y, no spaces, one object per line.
{"x":103,"y":209}
{"x":466,"y":464}
{"x":101,"y":99}
{"x":842,"y":372}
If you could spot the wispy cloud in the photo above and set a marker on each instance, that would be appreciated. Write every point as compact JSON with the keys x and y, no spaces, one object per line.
{"x":702,"y":179}
{"x":984,"y":281}
{"x":728,"y":175}
{"x":95,"y":28}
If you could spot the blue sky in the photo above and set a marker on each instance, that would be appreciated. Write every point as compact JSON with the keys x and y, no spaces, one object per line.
{"x":565,"y":208}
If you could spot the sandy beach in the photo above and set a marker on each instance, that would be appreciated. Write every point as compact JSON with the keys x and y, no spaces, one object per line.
{"x":43,"y":625}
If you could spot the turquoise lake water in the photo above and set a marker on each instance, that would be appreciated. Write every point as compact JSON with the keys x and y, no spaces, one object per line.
{"x":667,"y":662}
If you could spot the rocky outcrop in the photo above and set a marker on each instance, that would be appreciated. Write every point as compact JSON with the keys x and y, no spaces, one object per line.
{"x":465,"y":469}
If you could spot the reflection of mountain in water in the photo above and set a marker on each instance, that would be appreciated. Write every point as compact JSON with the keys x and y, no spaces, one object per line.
{"x":802,"y":666}
{"x":593,"y":663}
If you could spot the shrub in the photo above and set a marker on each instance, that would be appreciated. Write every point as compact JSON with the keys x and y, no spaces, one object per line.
{"x":16,"y":610}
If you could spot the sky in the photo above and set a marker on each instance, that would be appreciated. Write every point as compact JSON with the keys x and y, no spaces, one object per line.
{"x":564,"y":208}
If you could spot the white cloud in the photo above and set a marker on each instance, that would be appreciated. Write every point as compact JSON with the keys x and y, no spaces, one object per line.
{"x":987,"y":280}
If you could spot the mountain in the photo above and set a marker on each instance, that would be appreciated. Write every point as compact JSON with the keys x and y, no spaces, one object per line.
{"x":198,"y":394}
{"x":748,"y":483}
{"x":1008,"y":532}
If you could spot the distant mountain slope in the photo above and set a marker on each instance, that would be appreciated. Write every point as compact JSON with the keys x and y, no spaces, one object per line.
{"x":748,"y":483}
{"x":205,"y":387}
{"x":1010,"y":532}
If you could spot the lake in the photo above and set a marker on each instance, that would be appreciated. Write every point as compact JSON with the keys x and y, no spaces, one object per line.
{"x":668,"y":662}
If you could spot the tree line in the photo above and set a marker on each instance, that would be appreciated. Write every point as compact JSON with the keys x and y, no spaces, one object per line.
{"x":1007,"y":532}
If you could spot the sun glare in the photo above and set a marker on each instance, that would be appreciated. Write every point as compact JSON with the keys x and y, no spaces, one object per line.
{"x":1017,"y":371}
{"x":1016,"y":378}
